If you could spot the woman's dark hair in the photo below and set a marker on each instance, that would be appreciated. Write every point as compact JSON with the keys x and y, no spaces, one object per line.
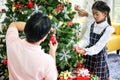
{"x":37,"y":27}
{"x":102,"y":6}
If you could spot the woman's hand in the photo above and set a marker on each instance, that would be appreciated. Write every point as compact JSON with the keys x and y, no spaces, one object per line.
{"x":77,"y":8}
{"x":83,"y":13}
{"x":53,"y":48}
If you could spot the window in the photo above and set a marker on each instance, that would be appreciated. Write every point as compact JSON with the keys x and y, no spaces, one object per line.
{"x":116,"y":12}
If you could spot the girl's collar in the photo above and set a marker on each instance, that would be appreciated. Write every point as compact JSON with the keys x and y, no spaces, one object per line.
{"x":102,"y":24}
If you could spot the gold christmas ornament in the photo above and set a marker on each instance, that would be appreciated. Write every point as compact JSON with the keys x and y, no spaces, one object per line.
{"x":50,"y":16}
{"x":65,"y":75}
{"x":60,"y":22}
{"x":13,"y":7}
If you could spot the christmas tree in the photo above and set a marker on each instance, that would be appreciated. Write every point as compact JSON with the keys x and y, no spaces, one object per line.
{"x":66,"y":30}
{"x":3,"y":59}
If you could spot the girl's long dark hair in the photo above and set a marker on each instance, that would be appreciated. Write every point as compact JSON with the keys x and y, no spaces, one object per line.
{"x":102,"y":6}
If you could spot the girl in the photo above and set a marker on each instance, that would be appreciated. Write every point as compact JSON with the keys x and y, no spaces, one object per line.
{"x":93,"y":43}
{"x":86,"y":12}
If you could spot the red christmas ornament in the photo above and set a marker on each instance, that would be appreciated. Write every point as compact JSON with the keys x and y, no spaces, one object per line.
{"x":53,"y":39}
{"x":69,"y":24}
{"x":19,"y":6}
{"x":30,"y":4}
{"x":80,"y":65}
{"x":5,"y":61}
{"x":59,"y":8}
{"x":69,"y":78}
{"x":61,"y":78}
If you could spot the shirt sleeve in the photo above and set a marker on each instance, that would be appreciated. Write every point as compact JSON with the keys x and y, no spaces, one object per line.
{"x":95,"y":49}
{"x":52,"y":71}
{"x":11,"y":35}
{"x":85,"y":39}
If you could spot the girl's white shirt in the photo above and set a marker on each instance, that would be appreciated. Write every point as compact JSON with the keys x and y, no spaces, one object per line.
{"x":98,"y":28}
